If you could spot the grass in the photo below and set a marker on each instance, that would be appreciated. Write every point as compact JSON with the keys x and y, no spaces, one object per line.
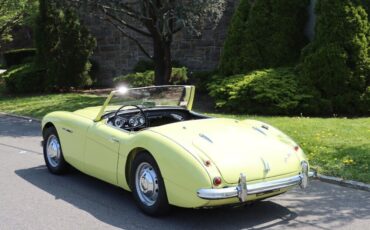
{"x":335,"y":146}
{"x":38,"y":106}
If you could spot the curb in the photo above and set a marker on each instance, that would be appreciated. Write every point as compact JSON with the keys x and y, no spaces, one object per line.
{"x":30,"y":119}
{"x":314,"y":175}
{"x":343,"y":182}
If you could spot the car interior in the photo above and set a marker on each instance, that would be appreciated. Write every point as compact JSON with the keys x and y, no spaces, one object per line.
{"x":140,"y":118}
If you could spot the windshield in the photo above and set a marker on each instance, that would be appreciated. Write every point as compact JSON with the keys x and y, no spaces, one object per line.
{"x":149,"y":97}
{"x":152,"y":96}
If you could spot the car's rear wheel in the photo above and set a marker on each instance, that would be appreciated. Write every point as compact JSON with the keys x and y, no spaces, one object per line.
{"x":148,"y":186}
{"x":53,"y":153}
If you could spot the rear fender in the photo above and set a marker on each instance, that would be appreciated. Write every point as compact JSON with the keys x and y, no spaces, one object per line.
{"x":182,"y":172}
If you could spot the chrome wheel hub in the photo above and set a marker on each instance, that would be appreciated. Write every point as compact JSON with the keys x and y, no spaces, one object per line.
{"x":146,"y":182}
{"x":53,"y":151}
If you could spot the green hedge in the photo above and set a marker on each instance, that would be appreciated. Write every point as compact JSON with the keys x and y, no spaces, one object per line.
{"x":200,"y":80}
{"x":179,"y":76}
{"x":337,"y":63}
{"x":64,"y":47}
{"x":268,"y":92}
{"x":145,"y":65}
{"x":18,"y":56}
{"x":264,"y":34}
{"x":26,"y":78}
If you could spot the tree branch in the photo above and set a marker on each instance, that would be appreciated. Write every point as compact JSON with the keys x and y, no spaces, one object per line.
{"x":124,"y":23}
{"x":141,"y":47}
{"x":132,"y":14}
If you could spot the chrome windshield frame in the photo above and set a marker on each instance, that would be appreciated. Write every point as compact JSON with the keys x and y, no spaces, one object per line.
{"x":189,"y":97}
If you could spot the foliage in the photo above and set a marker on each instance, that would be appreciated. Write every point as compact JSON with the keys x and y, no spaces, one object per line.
{"x":18,"y":56}
{"x":158,"y":20}
{"x":145,"y":65}
{"x":272,"y":35}
{"x":12,"y":13}
{"x":269,"y":91}
{"x":179,"y":76}
{"x":201,"y":79}
{"x":231,"y":63}
{"x":26,"y":78}
{"x":136,"y":79}
{"x":337,"y":63}
{"x":64,"y":46}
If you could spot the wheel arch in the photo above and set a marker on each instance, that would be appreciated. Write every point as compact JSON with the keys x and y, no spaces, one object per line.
{"x":130,"y":157}
{"x":182,"y":173}
{"x":47,"y":126}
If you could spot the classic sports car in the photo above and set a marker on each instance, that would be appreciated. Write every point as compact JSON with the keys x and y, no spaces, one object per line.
{"x":148,"y":141}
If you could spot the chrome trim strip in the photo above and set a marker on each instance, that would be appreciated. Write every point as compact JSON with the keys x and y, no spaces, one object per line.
{"x":67,"y":130}
{"x":230,"y":192}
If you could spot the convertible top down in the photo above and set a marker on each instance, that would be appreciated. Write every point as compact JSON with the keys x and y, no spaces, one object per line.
{"x":149,"y":141}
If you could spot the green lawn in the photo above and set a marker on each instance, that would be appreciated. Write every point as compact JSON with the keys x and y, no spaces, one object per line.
{"x":335,"y":146}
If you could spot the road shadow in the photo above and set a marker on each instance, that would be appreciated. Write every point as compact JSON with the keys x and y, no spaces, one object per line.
{"x":116,"y":207}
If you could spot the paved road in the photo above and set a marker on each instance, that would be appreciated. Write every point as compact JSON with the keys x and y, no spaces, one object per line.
{"x":31,"y":198}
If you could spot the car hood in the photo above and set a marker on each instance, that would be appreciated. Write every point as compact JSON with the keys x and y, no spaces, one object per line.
{"x":250,"y":147}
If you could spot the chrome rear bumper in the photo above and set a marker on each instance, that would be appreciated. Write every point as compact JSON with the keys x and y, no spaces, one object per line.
{"x":243,"y":189}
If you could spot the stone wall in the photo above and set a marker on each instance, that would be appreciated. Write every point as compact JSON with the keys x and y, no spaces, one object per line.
{"x":116,"y":54}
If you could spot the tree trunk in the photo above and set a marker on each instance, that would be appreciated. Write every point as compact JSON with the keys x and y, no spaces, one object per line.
{"x":162,"y":61}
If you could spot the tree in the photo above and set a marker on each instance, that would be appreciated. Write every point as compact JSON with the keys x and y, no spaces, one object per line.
{"x":64,"y":46}
{"x":337,"y":63}
{"x":157,"y":20}
{"x":12,"y":13}
{"x":230,"y":63}
{"x":264,"y":34}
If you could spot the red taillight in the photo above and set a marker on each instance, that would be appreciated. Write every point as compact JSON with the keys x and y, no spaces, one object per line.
{"x":296,"y":148}
{"x":217,"y":181}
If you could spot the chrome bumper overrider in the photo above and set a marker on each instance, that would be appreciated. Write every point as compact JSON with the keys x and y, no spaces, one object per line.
{"x":243,"y":189}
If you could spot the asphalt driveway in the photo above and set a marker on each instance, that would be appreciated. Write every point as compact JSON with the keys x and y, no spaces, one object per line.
{"x":32,"y":198}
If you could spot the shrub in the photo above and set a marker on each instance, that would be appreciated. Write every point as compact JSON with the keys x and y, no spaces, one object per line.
{"x":64,"y":46}
{"x":231,"y":63}
{"x":200,"y":80}
{"x":179,"y":76}
{"x":337,"y":62}
{"x":136,"y":79}
{"x":145,"y":65}
{"x":269,"y":91}
{"x":26,"y":78}
{"x":270,"y":34}
{"x":19,"y":56}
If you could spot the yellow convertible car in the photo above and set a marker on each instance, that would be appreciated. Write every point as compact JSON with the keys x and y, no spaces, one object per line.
{"x":148,"y":141}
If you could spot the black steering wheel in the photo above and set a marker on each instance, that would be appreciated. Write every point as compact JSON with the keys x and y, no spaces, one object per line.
{"x":145,"y":125}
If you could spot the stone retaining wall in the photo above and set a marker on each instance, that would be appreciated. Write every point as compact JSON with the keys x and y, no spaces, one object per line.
{"x":116,"y":55}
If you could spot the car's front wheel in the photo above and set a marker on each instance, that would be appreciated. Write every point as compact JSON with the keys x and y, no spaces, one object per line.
{"x":53,"y":153}
{"x":148,"y":186}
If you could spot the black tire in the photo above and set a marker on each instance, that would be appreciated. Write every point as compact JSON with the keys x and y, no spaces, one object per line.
{"x":58,"y":166}
{"x":160,"y":204}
